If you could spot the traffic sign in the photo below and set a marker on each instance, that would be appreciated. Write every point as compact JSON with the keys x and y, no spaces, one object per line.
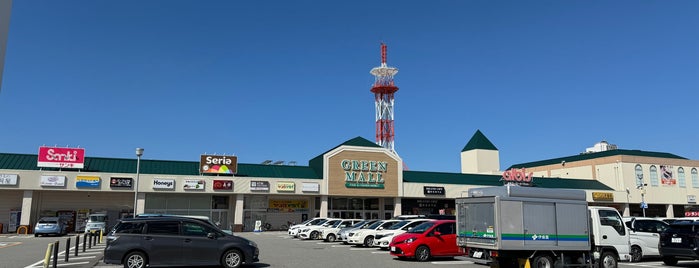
{"x":644,"y":205}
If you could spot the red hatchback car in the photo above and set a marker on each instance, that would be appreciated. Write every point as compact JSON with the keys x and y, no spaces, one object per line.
{"x":427,"y":240}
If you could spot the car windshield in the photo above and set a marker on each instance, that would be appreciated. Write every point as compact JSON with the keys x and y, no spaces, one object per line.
{"x":331,"y":223}
{"x":359,"y":224}
{"x":98,"y":218}
{"x":48,"y":221}
{"x":398,"y":225}
{"x":316,"y":222}
{"x":374,"y":225}
{"x":306,"y":222}
{"x":421,"y":228}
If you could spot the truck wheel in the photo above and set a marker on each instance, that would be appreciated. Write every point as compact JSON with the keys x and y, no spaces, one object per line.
{"x":542,"y":261}
{"x":636,"y":254}
{"x":670,"y":260}
{"x":608,"y":260}
{"x":331,"y":238}
{"x":422,"y":253}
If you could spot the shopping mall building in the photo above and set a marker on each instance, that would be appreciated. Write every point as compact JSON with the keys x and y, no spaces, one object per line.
{"x":356,"y":179}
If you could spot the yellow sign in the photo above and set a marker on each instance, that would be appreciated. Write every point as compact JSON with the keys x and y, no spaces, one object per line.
{"x":286,"y":186}
{"x":288,"y":204}
{"x":601,"y":196}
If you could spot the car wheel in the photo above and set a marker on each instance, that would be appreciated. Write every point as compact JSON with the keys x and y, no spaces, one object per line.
{"x":607,"y":260}
{"x":232,"y":259}
{"x":314,"y":235}
{"x":670,"y":260}
{"x":636,"y":254}
{"x":542,"y":261}
{"x":331,"y":238}
{"x":135,"y":259}
{"x":422,"y":253}
{"x":368,"y":241}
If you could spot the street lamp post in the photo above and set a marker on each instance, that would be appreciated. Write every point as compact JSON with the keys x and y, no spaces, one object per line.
{"x":139,"y":153}
{"x":642,"y":187}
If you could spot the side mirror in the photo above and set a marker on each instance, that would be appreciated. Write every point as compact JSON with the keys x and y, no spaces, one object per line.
{"x":211,"y":235}
{"x":436,"y":233}
{"x":380,"y":228}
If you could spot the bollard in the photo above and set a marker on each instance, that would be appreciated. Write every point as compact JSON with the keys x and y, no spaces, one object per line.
{"x":101,"y":237}
{"x":89,"y":240}
{"x":55,"y":254}
{"x":47,"y":257}
{"x":77,"y":244}
{"x":84,"y":242}
{"x":67,"y":248}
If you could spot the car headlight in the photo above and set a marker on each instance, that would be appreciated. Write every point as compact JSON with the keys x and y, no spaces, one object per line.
{"x":410,"y":240}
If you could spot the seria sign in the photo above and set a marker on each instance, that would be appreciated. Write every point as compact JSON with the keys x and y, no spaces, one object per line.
{"x":364,"y":173}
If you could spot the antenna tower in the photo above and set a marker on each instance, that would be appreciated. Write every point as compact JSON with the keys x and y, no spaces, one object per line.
{"x":383,"y":90}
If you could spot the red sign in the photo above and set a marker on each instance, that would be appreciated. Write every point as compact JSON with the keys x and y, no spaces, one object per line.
{"x":223,"y":185}
{"x":61,"y":157}
{"x":518,"y":176}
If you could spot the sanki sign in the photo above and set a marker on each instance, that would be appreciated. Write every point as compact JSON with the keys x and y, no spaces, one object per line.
{"x":364,"y":173}
{"x":518,"y":176}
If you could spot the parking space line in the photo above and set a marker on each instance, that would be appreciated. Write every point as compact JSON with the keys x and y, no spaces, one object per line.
{"x":380,"y":252}
{"x":361,"y":249}
{"x":341,"y":246}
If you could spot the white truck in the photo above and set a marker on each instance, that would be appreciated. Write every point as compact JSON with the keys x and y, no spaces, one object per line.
{"x":510,"y":226}
{"x":96,"y":223}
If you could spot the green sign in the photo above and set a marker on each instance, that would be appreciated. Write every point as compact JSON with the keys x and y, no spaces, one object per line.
{"x":364,"y":173}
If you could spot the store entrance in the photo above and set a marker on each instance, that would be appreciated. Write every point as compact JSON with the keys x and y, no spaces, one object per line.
{"x":353,"y":208}
{"x":354,"y":214}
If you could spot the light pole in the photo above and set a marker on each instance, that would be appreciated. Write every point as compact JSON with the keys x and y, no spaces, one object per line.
{"x":642,"y":187}
{"x":139,"y":153}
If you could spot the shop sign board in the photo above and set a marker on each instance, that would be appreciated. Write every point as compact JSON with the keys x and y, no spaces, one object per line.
{"x":61,"y":157}
{"x":120,"y":182}
{"x":518,"y":177}
{"x":218,"y":164}
{"x":602,"y":196}
{"x":168,"y":184}
{"x":286,"y":186}
{"x":364,"y":173}
{"x":433,"y":190}
{"x":310,"y":187}
{"x":194,"y":184}
{"x":287,"y":204}
{"x":87,"y":181}
{"x":52,"y":180}
{"x":259,"y":186}
{"x":8,"y":179}
{"x":692,"y":199}
{"x":223,"y":185}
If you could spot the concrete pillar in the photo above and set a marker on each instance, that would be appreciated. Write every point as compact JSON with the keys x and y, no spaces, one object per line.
{"x":141,"y":203}
{"x":397,"y":207}
{"x":627,"y":210}
{"x":26,"y":215}
{"x":323,"y":206}
{"x":669,"y":211}
{"x":382,"y":206}
{"x":238,"y":218}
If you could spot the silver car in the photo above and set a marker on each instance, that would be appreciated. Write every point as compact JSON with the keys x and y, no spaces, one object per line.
{"x":49,"y":226}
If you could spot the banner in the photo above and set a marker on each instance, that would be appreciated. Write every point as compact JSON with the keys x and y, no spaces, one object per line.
{"x":667,"y":178}
{"x":194,"y":184}
{"x":87,"y":181}
{"x":61,"y":157}
{"x":288,"y":205}
{"x":286,"y":186}
{"x":50,"y":180}
{"x":8,"y":179}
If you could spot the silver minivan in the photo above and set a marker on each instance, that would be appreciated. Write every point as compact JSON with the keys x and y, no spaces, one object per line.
{"x":645,"y":235}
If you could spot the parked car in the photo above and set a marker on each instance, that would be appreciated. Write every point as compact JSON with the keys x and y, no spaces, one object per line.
{"x":365,"y":236}
{"x":50,"y":226}
{"x":645,"y":235}
{"x":294,"y":229}
{"x":96,"y":222}
{"x":679,"y":242}
{"x":427,"y":240}
{"x":175,"y":241}
{"x":330,"y":234}
{"x":383,"y":238}
{"x":313,"y":231}
{"x":342,"y":234}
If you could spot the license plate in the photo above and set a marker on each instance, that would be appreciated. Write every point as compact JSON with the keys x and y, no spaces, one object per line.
{"x":677,"y":240}
{"x":478,"y":254}
{"x":393,"y":248}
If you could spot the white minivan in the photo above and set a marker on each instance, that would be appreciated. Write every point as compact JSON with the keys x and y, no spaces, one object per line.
{"x":645,"y":235}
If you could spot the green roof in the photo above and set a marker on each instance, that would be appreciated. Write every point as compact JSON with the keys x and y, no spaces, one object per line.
{"x":494,"y":180}
{"x":479,"y":141}
{"x":588,"y":156}
{"x":317,"y":162}
{"x":120,"y":165}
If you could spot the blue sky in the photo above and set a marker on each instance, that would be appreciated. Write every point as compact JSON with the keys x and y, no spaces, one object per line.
{"x":288,"y":80}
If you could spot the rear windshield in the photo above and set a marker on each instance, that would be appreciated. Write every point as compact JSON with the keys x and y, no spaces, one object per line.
{"x":48,"y":221}
{"x":683,"y":228}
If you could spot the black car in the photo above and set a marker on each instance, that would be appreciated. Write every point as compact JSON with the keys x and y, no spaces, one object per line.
{"x":679,"y":242}
{"x":175,"y":241}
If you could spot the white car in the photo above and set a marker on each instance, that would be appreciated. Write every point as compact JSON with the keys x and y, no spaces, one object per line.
{"x":365,"y":236}
{"x":383,"y":238}
{"x":313,"y":231}
{"x":294,"y":229}
{"x":645,"y":236}
{"x":330,"y":234}
{"x":342,"y":234}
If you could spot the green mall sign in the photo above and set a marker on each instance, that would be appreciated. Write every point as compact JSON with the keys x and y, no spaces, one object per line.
{"x":364,"y":173}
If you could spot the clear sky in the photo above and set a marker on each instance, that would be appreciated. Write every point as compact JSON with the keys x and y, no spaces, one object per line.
{"x":289,"y":80}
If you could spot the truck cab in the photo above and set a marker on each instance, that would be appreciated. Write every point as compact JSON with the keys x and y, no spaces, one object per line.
{"x":96,"y":222}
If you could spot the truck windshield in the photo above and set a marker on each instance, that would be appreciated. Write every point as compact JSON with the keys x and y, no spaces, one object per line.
{"x":98,"y":218}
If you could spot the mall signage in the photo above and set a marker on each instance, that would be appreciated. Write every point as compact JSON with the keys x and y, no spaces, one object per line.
{"x":259,"y":186}
{"x":364,"y":173}
{"x":602,"y":196}
{"x":692,"y":199}
{"x":194,"y":184}
{"x":223,"y":185}
{"x":120,"y":182}
{"x":61,"y":157}
{"x":286,"y":186}
{"x":8,"y":179}
{"x":87,"y":181}
{"x":310,"y":187}
{"x":167,"y":184}
{"x":518,"y":177}
{"x":433,"y":190}
{"x":51,"y":180}
{"x":218,"y":164}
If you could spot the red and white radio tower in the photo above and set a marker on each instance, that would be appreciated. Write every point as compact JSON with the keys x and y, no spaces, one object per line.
{"x":383,"y":90}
